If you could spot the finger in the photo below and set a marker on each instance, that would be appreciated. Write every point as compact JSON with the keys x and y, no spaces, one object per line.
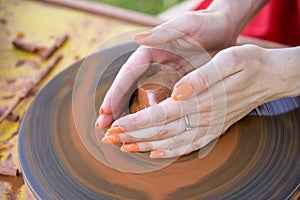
{"x":135,"y":66}
{"x":185,"y":138}
{"x":159,"y":132}
{"x":168,"y":31}
{"x":167,"y":111}
{"x":184,"y":149}
{"x":103,"y":121}
{"x":154,"y":132}
{"x":224,"y":64}
{"x":159,"y":114}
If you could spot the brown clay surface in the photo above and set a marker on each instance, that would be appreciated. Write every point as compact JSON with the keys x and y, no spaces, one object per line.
{"x":153,"y":88}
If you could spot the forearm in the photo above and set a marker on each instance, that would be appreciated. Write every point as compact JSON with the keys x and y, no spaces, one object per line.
{"x":238,"y":12}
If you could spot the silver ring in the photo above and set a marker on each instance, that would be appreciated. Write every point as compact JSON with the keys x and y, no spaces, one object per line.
{"x":187,"y":123}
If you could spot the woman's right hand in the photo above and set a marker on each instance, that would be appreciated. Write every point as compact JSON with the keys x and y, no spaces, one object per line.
{"x":181,"y":43}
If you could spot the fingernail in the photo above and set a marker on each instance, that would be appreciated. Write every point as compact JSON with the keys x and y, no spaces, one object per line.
{"x":142,"y":35}
{"x":182,"y":92}
{"x":157,"y":154}
{"x":116,"y":129}
{"x":110,"y":139}
{"x":96,"y":124}
{"x":129,"y":147}
{"x":102,"y":112}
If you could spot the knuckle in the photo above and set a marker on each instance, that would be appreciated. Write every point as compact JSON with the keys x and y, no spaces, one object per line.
{"x":172,"y":152}
{"x":167,"y":26}
{"x":133,"y":138}
{"x":204,"y":105}
{"x":126,"y":138}
{"x":160,"y":116}
{"x":191,"y":16}
{"x":229,"y":61}
{"x":235,"y":57}
{"x":199,"y":80}
{"x":230,"y":55}
{"x":195,"y":146}
{"x":254,"y":50}
{"x":205,"y":119}
{"x":163,"y":133}
{"x":172,"y":141}
{"x":146,"y":146}
{"x":140,"y":119}
{"x":175,"y":141}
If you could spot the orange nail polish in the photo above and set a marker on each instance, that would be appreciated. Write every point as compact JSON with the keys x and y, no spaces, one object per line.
{"x":116,"y":129}
{"x":129,"y":147}
{"x":142,"y":35}
{"x":182,"y":92}
{"x":157,"y":154}
{"x":110,"y":139}
{"x":102,"y":112}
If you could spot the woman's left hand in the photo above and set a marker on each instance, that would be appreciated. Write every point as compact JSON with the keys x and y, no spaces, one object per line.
{"x":214,"y":97}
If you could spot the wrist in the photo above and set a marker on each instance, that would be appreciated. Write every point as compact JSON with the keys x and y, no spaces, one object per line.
{"x":223,"y":24}
{"x":285,"y":63}
{"x":238,"y":13}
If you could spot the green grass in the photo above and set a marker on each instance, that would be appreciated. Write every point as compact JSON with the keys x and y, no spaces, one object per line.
{"x":152,"y":7}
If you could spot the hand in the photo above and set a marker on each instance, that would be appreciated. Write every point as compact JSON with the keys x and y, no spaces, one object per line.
{"x":214,"y":97}
{"x":178,"y":44}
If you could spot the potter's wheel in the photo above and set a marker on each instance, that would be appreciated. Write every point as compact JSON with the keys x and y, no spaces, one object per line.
{"x":257,"y":159}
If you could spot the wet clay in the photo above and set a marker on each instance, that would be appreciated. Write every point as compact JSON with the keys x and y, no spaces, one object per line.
{"x":153,"y":89}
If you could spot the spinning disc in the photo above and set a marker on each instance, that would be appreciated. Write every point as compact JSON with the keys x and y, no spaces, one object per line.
{"x":258,"y":158}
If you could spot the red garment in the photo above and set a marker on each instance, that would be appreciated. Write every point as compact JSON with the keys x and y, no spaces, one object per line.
{"x":278,"y":21}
